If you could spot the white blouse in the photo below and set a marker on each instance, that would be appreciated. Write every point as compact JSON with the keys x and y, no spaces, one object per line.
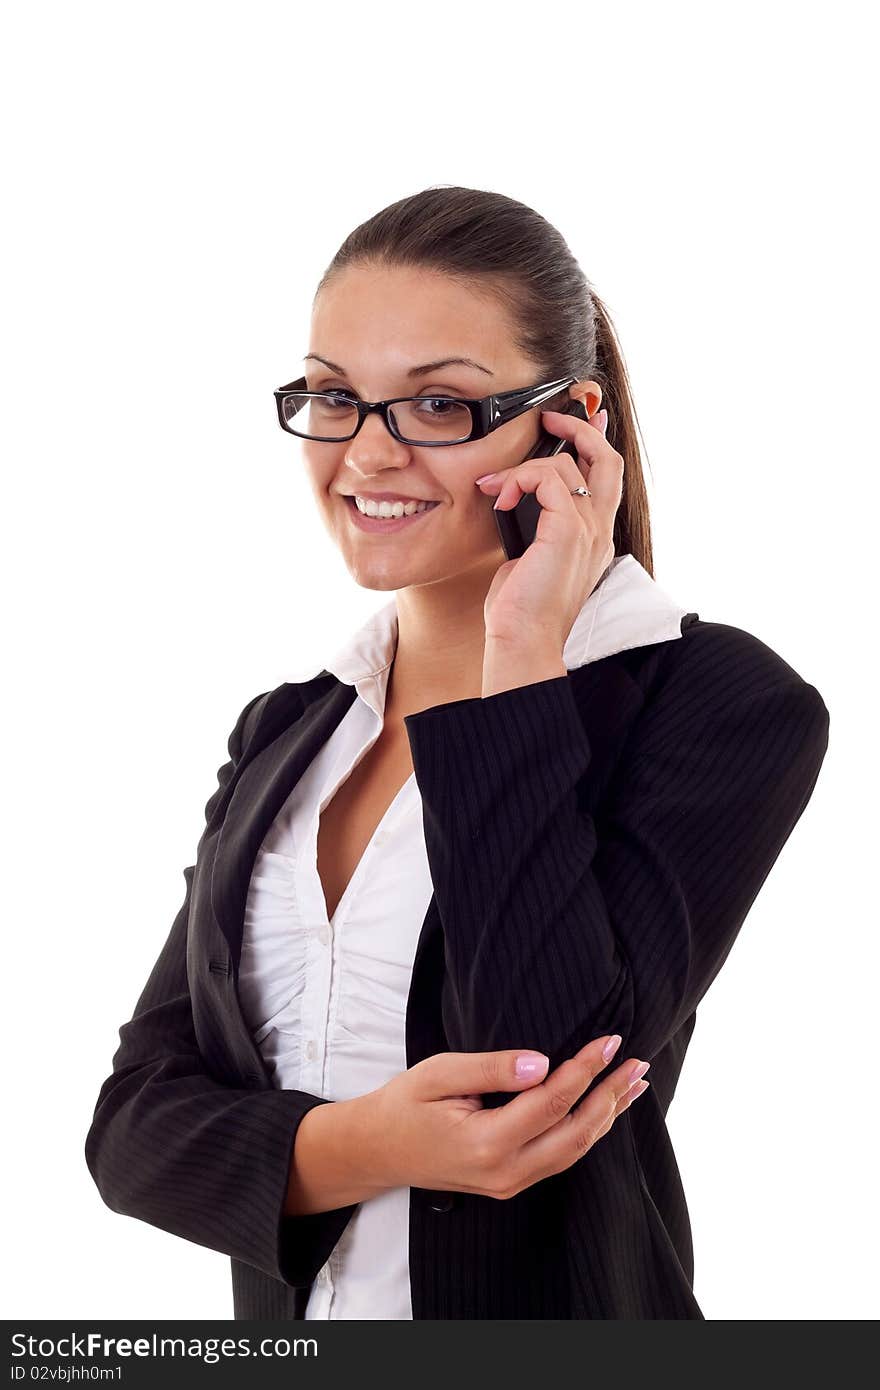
{"x":326,"y":999}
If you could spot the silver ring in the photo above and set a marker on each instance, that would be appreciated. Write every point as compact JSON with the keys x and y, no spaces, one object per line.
{"x":580,"y":492}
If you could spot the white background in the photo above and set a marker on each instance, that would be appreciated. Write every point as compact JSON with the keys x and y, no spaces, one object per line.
{"x":177,"y":176}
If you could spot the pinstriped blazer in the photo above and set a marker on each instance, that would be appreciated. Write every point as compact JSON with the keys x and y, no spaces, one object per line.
{"x":596,"y":841}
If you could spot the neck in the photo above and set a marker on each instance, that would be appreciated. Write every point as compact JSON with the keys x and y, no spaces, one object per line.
{"x":440,"y":645}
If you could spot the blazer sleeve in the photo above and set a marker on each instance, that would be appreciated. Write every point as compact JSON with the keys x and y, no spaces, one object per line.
{"x":562,"y":926}
{"x":171,"y":1145}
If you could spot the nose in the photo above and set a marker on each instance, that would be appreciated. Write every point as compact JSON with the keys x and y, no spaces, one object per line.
{"x":375,"y":447}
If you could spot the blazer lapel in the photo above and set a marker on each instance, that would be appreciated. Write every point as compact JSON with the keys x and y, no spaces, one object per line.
{"x":273,"y":763}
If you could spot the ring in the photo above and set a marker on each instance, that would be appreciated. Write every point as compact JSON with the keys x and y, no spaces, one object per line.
{"x":580,"y":492}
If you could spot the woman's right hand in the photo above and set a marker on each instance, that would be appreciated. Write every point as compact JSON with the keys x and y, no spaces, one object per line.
{"x":431,"y":1129}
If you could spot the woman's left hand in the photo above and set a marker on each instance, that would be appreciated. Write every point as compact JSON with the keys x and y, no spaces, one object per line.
{"x":533,"y":600}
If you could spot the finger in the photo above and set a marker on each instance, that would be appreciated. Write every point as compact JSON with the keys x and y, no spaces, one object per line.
{"x":552,"y":482}
{"x":532,"y":1114}
{"x":632,"y":1094}
{"x":449,"y":1074}
{"x":589,"y":439}
{"x":575,"y":1134}
{"x":513,"y":483}
{"x":493,"y":481}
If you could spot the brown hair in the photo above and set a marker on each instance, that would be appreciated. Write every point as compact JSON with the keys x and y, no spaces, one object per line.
{"x":559,"y":320}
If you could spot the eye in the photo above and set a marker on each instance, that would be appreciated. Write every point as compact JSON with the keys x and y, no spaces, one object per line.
{"x":442,"y":405}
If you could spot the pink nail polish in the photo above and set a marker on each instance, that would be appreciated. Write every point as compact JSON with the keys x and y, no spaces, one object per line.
{"x":484,"y":477}
{"x":527,"y":1067}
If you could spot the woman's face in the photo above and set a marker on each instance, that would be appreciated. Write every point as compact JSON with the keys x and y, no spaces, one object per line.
{"x":378,"y":324}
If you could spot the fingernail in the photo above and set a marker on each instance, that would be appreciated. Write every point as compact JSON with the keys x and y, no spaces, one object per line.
{"x":638,"y":1071}
{"x":484,"y":477}
{"x":611,"y":1047}
{"x":534,"y":1065}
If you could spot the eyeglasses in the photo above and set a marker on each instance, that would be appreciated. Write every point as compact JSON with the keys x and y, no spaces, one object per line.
{"x":428,"y":421}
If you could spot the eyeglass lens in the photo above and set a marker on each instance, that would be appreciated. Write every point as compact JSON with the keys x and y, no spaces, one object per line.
{"x":421,"y":420}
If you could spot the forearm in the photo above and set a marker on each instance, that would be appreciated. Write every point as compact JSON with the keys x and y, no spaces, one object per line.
{"x":337,"y":1158}
{"x":530,"y":958}
{"x":498,"y":778}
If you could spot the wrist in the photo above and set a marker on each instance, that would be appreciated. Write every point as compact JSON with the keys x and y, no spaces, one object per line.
{"x":369,"y":1137}
{"x":510,"y":663}
{"x":332,"y":1164}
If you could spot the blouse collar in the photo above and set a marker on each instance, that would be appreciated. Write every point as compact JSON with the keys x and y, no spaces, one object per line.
{"x":627,"y":608}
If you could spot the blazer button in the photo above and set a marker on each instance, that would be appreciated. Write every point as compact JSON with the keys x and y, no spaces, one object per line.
{"x":442,"y":1201}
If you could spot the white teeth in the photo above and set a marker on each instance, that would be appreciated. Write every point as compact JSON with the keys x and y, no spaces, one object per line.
{"x":370,"y":507}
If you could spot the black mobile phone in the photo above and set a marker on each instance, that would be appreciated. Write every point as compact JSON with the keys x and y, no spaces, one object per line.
{"x":518,"y":525}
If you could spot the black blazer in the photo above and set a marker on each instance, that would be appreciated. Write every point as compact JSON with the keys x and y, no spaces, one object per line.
{"x":595,"y":842}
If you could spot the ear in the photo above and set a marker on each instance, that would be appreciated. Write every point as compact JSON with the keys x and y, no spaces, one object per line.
{"x":589,"y":393}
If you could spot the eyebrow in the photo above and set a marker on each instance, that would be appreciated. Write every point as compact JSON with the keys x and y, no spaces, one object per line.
{"x":413,"y":371}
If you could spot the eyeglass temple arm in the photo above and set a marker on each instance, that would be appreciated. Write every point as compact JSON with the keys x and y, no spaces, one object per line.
{"x":528,"y":395}
{"x":508,"y":397}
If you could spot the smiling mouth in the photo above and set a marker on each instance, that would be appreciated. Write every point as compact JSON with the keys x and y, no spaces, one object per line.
{"x":381,"y":524}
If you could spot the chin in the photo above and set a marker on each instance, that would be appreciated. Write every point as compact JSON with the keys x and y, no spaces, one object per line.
{"x":380,"y":577}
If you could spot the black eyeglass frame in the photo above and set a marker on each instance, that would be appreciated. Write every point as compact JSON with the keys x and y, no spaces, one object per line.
{"x":488,"y":412}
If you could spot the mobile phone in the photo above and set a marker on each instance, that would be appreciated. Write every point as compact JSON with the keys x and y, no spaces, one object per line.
{"x":517,"y":526}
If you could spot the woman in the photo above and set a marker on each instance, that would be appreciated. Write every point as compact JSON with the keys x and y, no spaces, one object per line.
{"x":522,"y":814}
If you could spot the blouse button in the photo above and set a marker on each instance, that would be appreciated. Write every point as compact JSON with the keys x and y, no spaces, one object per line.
{"x":442,"y":1201}
{"x":311,"y":1049}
